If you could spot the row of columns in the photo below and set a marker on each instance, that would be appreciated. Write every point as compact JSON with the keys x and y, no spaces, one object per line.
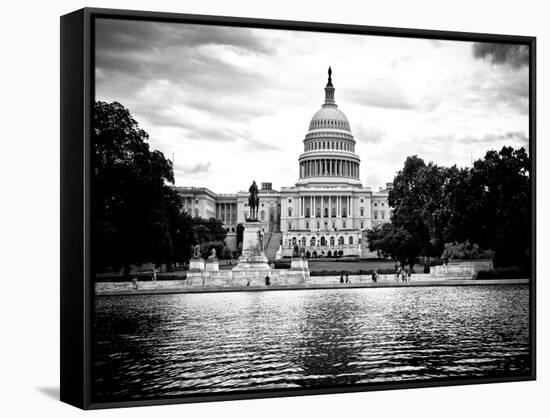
{"x":340,"y":203}
{"x":226,"y":212}
{"x":329,"y":167}
{"x":329,"y":145}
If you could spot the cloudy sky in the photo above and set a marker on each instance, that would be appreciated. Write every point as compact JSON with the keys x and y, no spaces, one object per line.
{"x":234,"y":104}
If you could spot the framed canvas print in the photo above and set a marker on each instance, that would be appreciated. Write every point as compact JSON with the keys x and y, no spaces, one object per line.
{"x":257,"y":208}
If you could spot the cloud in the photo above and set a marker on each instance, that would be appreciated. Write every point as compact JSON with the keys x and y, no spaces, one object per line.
{"x":231,"y":94}
{"x":512,"y":137}
{"x":515,"y":56}
{"x":134,"y":35}
{"x":382,"y":92}
{"x":255,"y":145}
{"x":369,"y":134}
{"x":198,"y":168}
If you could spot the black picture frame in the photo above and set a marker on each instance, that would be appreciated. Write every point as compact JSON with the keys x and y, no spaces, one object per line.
{"x":77,"y":95}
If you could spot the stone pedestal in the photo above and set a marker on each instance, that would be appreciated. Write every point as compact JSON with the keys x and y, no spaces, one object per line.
{"x":195,"y":278}
{"x":212,"y":265}
{"x":196,"y":264}
{"x":299,"y":264}
{"x":253,"y":257}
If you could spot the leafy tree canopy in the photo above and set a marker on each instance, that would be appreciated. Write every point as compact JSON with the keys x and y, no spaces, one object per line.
{"x":487,"y":204}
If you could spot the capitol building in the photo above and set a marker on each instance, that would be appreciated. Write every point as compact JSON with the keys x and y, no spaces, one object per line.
{"x":327,"y":211}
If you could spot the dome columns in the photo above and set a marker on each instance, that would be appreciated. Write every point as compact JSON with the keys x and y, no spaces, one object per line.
{"x":329,"y":167}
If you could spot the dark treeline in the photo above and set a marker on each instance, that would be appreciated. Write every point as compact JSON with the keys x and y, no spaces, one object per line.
{"x":136,"y":211}
{"x":482,"y":210}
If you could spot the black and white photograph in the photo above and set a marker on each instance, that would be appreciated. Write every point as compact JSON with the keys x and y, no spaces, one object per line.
{"x":278,"y":210}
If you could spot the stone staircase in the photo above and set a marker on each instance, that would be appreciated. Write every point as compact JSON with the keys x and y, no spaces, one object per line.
{"x":272,"y":242}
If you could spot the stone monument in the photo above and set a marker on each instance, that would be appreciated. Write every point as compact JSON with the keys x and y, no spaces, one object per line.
{"x":212,"y":261}
{"x":197,"y":262}
{"x":253,"y":257}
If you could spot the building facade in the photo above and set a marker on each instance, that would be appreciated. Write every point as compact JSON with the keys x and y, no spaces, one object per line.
{"x":327,"y":211}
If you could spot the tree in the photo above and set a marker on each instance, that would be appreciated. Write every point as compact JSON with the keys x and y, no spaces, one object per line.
{"x":488,"y":205}
{"x":134,"y":204}
{"x":183,"y":238}
{"x":417,"y":197}
{"x":500,"y":208}
{"x":394,"y":242}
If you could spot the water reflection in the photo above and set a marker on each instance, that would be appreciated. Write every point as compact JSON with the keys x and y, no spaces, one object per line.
{"x":152,"y":346}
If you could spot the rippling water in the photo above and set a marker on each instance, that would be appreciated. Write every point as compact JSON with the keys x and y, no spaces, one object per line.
{"x":149,"y":346}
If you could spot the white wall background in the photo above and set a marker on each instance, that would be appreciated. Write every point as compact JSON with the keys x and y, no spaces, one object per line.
{"x":29,"y":209}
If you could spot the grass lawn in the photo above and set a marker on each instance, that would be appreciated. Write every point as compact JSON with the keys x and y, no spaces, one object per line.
{"x":350,"y":265}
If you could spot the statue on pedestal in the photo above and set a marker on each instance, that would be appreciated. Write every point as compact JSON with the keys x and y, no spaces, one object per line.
{"x":296,"y":251}
{"x":196,"y":252}
{"x":253,"y":200}
{"x":212,"y":256}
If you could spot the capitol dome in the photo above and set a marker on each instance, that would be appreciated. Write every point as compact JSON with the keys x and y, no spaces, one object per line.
{"x":329,"y":117}
{"x":329,"y":146}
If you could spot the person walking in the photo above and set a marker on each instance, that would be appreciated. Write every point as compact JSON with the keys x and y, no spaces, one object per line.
{"x":154,"y":274}
{"x":342,"y":277}
{"x":347,"y":277}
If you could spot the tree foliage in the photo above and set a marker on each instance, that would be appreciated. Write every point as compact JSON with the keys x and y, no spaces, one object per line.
{"x":136,"y":211}
{"x":487,"y":204}
{"x":394,"y":242}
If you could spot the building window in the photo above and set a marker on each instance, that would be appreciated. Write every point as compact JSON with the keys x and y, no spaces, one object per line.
{"x":196,"y":213}
{"x":361,"y":200}
{"x":307,"y":225}
{"x":326,"y":212}
{"x":375,"y":204}
{"x":341,"y":241}
{"x":289,"y":200}
{"x":317,"y":212}
{"x":289,"y":211}
{"x":344,"y":212}
{"x":307,"y":212}
{"x":362,"y":211}
{"x":293,"y":241}
{"x":382,"y":213}
{"x":382,"y":204}
{"x":323,"y":241}
{"x":318,"y":225}
{"x":344,"y":224}
{"x":375,"y":214}
{"x":303,"y":241}
{"x":362,"y":225}
{"x":350,"y":240}
{"x":312,"y":242}
{"x":197,"y":202}
{"x":333,"y":224}
{"x":262,"y":215}
{"x":332,"y":241}
{"x":333,"y":214}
